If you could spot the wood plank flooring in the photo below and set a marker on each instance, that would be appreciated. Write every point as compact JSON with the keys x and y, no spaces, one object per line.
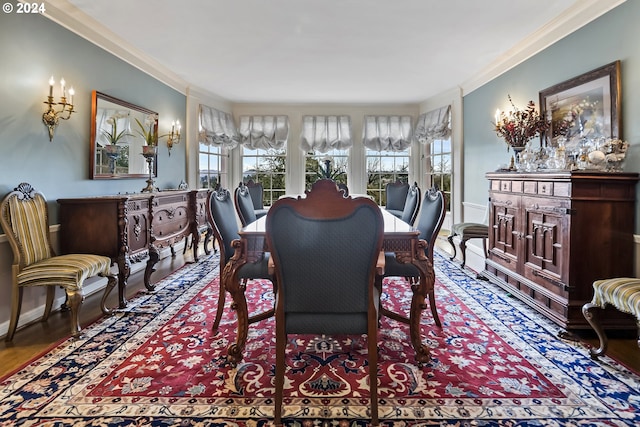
{"x":38,"y":337}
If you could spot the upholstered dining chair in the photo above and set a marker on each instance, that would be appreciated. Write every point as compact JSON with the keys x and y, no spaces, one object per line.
{"x":430,"y":221}
{"x":411,"y":204}
{"x":244,"y":204}
{"x":222,"y":217}
{"x":396,"y":195}
{"x":257,"y":197}
{"x":325,"y":249}
{"x":24,"y":219}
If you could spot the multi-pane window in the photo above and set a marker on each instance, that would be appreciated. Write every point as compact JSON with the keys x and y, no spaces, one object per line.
{"x":384,"y":167}
{"x":316,"y":166}
{"x":438,"y":167}
{"x":212,"y":166}
{"x":268,"y":168}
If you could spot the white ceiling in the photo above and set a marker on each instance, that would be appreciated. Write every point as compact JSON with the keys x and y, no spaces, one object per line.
{"x":325,"y":51}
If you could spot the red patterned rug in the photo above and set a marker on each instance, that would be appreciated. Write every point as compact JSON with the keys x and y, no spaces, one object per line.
{"x":493,"y":362}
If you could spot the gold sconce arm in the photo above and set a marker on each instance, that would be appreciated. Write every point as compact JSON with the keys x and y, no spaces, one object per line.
{"x":174,"y":137}
{"x":51,"y":117}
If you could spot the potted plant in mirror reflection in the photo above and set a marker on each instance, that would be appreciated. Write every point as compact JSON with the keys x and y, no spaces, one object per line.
{"x":148,"y":132}
{"x":518,"y":126}
{"x":113,"y":137}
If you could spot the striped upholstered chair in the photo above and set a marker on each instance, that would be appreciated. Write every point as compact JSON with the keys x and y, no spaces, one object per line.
{"x":623,"y":293}
{"x":24,"y":220}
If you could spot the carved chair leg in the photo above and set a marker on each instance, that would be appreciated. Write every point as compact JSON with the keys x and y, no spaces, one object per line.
{"x":112,"y":281}
{"x":75,"y":298}
{"x":220,"y":309}
{"x":16,"y":304}
{"x":450,"y":239}
{"x":434,"y":311}
{"x":463,"y":248}
{"x":592,"y":318}
{"x":51,"y":292}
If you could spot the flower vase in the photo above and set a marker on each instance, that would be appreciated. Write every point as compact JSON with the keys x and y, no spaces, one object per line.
{"x":111,"y":151}
{"x":517,"y":161}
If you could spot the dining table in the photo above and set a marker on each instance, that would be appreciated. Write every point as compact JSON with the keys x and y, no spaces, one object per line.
{"x":399,"y":238}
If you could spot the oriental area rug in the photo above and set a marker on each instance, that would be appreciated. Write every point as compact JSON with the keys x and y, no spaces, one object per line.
{"x":494,"y":362}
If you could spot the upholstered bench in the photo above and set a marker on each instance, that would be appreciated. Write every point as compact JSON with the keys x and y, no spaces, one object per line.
{"x":466,"y":231}
{"x":623,"y":293}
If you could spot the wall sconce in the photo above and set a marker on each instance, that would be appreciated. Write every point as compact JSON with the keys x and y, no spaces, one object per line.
{"x":51,"y":116}
{"x":174,"y":136}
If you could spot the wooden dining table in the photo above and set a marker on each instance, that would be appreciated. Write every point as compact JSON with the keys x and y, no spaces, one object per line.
{"x":399,"y":238}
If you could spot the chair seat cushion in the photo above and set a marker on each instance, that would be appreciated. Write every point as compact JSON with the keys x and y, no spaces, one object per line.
{"x":470,"y":229}
{"x":623,"y":293}
{"x":392,"y":268}
{"x":256,"y":270}
{"x":68,"y":271}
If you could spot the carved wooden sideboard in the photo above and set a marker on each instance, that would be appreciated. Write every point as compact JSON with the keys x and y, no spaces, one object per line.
{"x":132,"y":227}
{"x":552,"y":234}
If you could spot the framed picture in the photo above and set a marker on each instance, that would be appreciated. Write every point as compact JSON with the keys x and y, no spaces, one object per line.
{"x":587,"y":106}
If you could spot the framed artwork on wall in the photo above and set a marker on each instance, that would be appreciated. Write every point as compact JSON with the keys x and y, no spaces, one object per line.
{"x":586,"y":106}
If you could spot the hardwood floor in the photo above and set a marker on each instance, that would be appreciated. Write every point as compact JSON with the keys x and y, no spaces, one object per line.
{"x":36,"y":338}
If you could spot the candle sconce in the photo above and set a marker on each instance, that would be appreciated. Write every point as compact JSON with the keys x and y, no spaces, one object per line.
{"x":174,"y":137}
{"x":51,"y":117}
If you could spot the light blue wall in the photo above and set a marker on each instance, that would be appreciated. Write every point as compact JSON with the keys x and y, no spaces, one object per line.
{"x":614,"y":36}
{"x":32,"y":48}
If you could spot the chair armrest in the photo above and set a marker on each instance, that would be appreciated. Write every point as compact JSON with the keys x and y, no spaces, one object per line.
{"x":380,"y":264}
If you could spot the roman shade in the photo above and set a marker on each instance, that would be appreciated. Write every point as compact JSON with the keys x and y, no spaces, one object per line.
{"x":321,"y":134}
{"x":217,"y":128}
{"x":264,"y":132}
{"x":435,"y":124}
{"x":387,"y":133}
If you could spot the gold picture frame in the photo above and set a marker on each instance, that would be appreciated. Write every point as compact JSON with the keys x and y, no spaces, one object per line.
{"x":587,"y":106}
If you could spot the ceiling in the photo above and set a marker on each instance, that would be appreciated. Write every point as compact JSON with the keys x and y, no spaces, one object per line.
{"x":348,"y":51}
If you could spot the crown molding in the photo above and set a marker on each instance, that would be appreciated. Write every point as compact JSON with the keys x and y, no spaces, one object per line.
{"x":68,"y":16}
{"x":577,"y":16}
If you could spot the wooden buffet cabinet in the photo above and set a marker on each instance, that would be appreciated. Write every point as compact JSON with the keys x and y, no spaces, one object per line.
{"x":133,"y":227}
{"x":551,"y":235}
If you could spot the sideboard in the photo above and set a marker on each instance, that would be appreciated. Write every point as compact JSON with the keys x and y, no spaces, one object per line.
{"x":133,"y":227}
{"x":551,"y":235}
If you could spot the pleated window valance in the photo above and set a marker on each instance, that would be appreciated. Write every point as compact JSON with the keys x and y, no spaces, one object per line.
{"x":321,"y":134}
{"x":435,"y":124}
{"x":387,"y":133}
{"x":264,"y":132}
{"x":217,"y":128}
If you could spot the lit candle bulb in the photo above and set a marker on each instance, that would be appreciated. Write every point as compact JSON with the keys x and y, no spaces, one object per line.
{"x":62,"y":83}
{"x":71,"y":93}
{"x":497,"y":116}
{"x":51,"y":83}
{"x":178,"y":126}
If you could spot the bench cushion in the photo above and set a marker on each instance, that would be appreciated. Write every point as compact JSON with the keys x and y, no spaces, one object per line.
{"x":623,"y":293}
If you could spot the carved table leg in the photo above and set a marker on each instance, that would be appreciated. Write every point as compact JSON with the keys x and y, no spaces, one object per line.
{"x":421,"y":289}
{"x":154,"y":257}
{"x":124,"y":270}
{"x":236,"y":289}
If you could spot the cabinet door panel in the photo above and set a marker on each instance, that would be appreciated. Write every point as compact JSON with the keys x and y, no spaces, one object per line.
{"x":505,"y":225}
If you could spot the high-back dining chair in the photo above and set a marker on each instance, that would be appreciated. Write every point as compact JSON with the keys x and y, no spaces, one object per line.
{"x":430,"y":221}
{"x":324,"y":248}
{"x":396,"y":195}
{"x":222,"y":217}
{"x":257,"y":197}
{"x":411,"y":204}
{"x":24,"y":218}
{"x":244,"y":204}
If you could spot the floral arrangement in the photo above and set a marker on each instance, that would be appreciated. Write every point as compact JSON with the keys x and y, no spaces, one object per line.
{"x":520,"y":126}
{"x":148,"y":130}
{"x":114,"y":136}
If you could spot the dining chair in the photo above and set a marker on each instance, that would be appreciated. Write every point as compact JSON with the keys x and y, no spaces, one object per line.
{"x":411,"y":204}
{"x":325,"y":248}
{"x":24,"y":218}
{"x":430,"y":221}
{"x":396,"y":195}
{"x":257,"y":197}
{"x":222,"y":217}
{"x":244,"y":204}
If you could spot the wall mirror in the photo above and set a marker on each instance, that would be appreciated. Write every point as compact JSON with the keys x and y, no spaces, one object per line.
{"x":116,"y":145}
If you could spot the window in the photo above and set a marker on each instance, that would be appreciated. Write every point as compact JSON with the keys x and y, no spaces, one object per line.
{"x":438,"y":167}
{"x":211,"y":162}
{"x":266,"y":166}
{"x":316,"y":164}
{"x":384,"y":167}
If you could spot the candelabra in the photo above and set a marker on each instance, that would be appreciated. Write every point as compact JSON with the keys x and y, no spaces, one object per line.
{"x":51,"y":116}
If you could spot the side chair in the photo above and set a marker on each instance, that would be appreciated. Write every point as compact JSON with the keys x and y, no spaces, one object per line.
{"x":467,"y":231}
{"x":244,"y":204}
{"x":24,"y":218}
{"x":257,"y":197}
{"x":430,"y":221}
{"x":412,"y":204}
{"x":396,"y":195}
{"x":325,"y":248}
{"x":222,"y":217}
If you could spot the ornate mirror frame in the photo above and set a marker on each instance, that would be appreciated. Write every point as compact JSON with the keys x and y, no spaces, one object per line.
{"x":115,"y":119}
